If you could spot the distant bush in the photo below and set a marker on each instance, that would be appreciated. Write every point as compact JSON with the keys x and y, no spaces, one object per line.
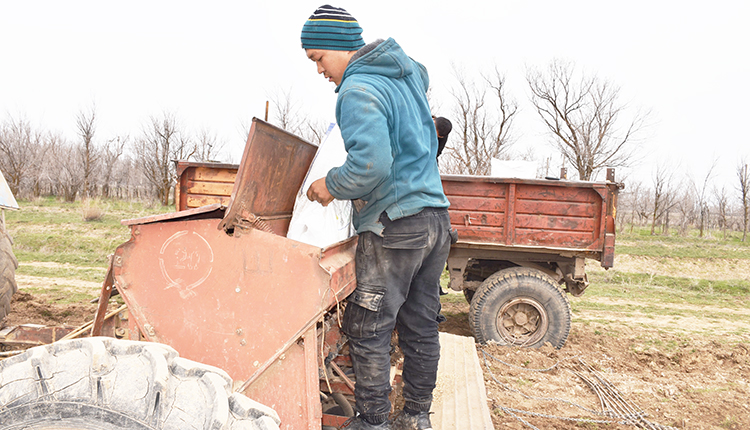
{"x":90,"y":211}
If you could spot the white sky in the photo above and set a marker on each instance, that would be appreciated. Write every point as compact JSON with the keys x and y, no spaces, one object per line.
{"x":214,"y":64}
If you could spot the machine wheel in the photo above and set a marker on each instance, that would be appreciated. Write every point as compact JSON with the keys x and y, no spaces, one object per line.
{"x":106,"y":384}
{"x":520,"y":307}
{"x":8,"y":266}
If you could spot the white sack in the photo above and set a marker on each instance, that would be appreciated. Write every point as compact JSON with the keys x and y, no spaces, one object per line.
{"x":311,"y":222}
{"x":512,"y":169}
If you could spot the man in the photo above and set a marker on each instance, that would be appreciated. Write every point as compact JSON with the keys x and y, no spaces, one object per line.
{"x":402,"y":221}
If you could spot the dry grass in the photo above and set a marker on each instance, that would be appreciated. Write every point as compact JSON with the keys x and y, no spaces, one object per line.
{"x":91,"y":211}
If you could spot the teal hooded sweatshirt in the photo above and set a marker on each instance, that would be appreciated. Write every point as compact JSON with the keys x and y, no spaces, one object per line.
{"x":389,"y":136}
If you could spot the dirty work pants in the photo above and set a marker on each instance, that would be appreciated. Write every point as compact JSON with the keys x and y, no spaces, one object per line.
{"x":398,"y":278}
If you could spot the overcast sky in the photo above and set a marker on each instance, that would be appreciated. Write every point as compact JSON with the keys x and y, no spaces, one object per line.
{"x":214,"y":64}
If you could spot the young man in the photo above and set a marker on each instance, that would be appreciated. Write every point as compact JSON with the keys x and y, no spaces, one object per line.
{"x":402,"y":219}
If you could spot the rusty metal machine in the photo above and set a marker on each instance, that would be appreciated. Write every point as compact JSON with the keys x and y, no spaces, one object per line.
{"x":224,"y":286}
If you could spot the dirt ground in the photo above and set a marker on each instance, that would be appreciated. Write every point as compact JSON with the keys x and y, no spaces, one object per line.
{"x":661,"y":378}
{"x":676,"y":381}
{"x":30,"y":309}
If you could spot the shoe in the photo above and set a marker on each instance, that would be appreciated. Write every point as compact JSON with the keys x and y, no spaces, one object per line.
{"x":357,"y":423}
{"x":406,"y":421}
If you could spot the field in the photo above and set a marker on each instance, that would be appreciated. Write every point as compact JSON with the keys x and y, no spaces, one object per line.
{"x":664,"y":335}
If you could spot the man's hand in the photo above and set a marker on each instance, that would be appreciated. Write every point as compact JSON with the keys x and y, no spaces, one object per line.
{"x":318,"y":192}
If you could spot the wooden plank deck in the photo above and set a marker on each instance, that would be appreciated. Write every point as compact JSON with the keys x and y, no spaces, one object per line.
{"x":460,"y":398}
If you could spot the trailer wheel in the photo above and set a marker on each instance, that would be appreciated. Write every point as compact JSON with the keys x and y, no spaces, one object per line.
{"x":106,"y":384}
{"x":520,"y":307}
{"x":8,"y":266}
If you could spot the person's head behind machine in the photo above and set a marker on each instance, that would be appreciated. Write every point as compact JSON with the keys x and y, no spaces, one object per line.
{"x":330,"y":37}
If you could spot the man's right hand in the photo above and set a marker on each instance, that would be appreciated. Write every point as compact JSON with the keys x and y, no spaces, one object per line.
{"x":318,"y":192}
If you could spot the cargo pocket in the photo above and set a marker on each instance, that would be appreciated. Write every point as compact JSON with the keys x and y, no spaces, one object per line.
{"x":416,"y":240}
{"x":362,"y":316}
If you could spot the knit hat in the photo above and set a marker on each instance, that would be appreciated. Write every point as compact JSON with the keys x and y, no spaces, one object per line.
{"x":332,"y":28}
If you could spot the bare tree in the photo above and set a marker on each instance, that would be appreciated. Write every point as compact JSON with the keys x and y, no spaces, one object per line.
{"x":484,"y":115}
{"x":288,"y":115}
{"x":68,"y":167}
{"x":208,"y":145}
{"x":86,"y":126}
{"x":21,"y":151}
{"x":629,"y":201}
{"x":162,"y":142}
{"x":686,"y":205}
{"x":701,"y":197}
{"x":586,"y":117}
{"x":286,"y":111}
{"x":314,"y":131}
{"x":664,"y":197}
{"x":111,"y":152}
{"x":722,"y":207}
{"x":744,"y":187}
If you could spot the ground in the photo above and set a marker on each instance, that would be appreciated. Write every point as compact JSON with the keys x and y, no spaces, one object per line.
{"x":674,"y":373}
{"x":678,"y":382}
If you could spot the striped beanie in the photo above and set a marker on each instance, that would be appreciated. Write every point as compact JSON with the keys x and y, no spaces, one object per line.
{"x":332,"y":28}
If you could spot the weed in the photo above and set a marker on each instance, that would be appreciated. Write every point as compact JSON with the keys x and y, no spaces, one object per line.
{"x":729,"y":423}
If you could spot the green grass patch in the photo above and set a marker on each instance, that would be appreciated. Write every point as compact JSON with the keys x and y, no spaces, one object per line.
{"x":641,"y":242}
{"x":668,"y":289}
{"x":51,"y":231}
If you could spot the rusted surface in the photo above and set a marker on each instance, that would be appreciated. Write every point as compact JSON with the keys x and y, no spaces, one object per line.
{"x":226,"y":288}
{"x":531,"y":214}
{"x":271,"y":172}
{"x":28,"y":335}
{"x":101,"y":310}
{"x":238,"y":303}
{"x":200,"y":184}
{"x":290,"y":385}
{"x":205,"y":212}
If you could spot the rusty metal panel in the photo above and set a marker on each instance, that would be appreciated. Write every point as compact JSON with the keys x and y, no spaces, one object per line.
{"x":210,"y":211}
{"x":28,"y":335}
{"x":272,"y":170}
{"x":235,"y":302}
{"x":290,"y":386}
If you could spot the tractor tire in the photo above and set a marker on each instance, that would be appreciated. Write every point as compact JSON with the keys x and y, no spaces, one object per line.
{"x":8,"y":266}
{"x":106,"y":384}
{"x":520,"y":307}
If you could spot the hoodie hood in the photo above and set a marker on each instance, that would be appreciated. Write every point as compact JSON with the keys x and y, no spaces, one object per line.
{"x":384,"y":58}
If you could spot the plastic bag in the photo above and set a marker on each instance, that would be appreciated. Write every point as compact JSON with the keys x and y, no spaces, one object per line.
{"x":311,"y":222}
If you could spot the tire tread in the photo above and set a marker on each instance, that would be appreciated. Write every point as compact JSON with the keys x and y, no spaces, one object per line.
{"x":510,"y":276}
{"x":146,"y":382}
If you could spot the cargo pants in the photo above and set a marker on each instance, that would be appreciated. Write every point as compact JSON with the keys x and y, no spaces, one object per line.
{"x":398,"y":276}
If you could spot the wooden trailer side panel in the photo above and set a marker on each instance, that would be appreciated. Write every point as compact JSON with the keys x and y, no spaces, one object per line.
{"x":202,"y":184}
{"x":526,"y":213}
